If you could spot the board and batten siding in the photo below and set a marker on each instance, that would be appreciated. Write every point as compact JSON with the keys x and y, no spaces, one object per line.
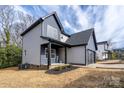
{"x":51,"y":22}
{"x":76,"y":55}
{"x":31,"y":44}
{"x":91,"y":46}
{"x":62,"y":54}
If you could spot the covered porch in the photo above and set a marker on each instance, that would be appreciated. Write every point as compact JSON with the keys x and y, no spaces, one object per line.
{"x":53,"y":53}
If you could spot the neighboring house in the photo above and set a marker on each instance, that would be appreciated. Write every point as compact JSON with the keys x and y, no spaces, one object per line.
{"x":2,"y":44}
{"x":119,"y":53}
{"x":46,"y":43}
{"x":103,"y":50}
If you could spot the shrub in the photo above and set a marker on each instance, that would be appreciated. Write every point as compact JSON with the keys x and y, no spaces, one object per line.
{"x":10,"y":56}
{"x":58,"y":68}
{"x":114,"y":55}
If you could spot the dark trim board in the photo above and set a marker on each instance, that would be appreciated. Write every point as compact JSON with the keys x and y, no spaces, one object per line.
{"x":94,"y":53}
{"x":49,"y":55}
{"x":77,"y":64}
{"x":32,"y":26}
{"x":40,"y":55}
{"x":85,"y":56}
{"x":55,"y":41}
{"x":40,"y":20}
{"x":90,"y":50}
{"x":65,"y":55}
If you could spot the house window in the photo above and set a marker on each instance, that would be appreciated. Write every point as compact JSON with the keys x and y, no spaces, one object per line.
{"x":52,"y":32}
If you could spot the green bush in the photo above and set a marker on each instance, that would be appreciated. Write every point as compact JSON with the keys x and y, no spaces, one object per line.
{"x":114,"y":55}
{"x":10,"y":56}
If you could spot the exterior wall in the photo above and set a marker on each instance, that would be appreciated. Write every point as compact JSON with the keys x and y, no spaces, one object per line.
{"x":91,"y":44}
{"x":63,"y":38}
{"x":76,"y":55}
{"x":52,"y":22}
{"x":62,"y":54}
{"x":31,"y":44}
{"x":101,"y":53}
{"x":89,"y":51}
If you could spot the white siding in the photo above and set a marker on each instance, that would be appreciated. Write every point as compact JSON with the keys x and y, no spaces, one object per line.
{"x":63,"y":38}
{"x":76,"y":55}
{"x":31,"y":43}
{"x":101,"y":51}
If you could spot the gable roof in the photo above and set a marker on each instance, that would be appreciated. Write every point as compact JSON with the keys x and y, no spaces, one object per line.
{"x":81,"y":38}
{"x":40,"y":20}
{"x":103,"y":42}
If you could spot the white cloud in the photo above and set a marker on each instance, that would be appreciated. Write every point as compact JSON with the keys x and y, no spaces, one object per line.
{"x":111,"y":26}
{"x":108,"y":20}
{"x":67,"y":25}
{"x":82,"y":18}
{"x":20,"y":8}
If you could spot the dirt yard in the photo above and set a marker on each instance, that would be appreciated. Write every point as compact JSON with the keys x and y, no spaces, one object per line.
{"x":78,"y":77}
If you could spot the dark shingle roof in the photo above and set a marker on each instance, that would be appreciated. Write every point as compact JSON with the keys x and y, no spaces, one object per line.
{"x":103,"y":42}
{"x":80,"y":38}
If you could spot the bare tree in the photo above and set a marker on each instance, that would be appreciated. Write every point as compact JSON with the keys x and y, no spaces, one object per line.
{"x":24,"y":21}
{"x":6,"y":21}
{"x":12,"y":24}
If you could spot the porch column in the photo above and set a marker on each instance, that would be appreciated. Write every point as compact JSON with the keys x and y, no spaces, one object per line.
{"x":65,"y":55}
{"x":49,"y":55}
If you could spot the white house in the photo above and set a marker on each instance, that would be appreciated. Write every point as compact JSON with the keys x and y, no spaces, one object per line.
{"x":103,"y":50}
{"x":46,"y":43}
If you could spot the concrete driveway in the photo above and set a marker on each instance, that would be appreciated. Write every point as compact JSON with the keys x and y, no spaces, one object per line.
{"x":108,"y":64}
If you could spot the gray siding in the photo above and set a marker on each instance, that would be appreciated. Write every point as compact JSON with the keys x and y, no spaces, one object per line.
{"x":62,"y":54}
{"x":52,"y":22}
{"x":31,"y":43}
{"x":91,"y":46}
{"x":76,"y":55}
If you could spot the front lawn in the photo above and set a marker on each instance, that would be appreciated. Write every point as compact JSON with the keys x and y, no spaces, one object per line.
{"x":79,"y":77}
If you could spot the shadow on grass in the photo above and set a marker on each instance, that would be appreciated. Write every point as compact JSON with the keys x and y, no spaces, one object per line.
{"x":15,"y":68}
{"x":51,"y":71}
{"x":98,"y":79}
{"x":86,"y":81}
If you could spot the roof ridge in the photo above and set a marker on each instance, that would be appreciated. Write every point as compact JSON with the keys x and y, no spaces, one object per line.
{"x":83,"y":31}
{"x":49,"y":14}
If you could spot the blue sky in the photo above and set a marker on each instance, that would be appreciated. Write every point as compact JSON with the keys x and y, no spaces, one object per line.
{"x":108,"y":21}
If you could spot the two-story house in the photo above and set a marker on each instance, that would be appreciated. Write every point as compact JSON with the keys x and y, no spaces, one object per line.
{"x":103,"y":52}
{"x":46,"y":43}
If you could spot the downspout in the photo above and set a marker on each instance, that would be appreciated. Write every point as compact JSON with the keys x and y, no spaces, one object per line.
{"x":85,"y":54}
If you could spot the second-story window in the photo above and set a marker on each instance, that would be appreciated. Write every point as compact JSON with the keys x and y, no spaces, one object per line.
{"x":52,"y":32}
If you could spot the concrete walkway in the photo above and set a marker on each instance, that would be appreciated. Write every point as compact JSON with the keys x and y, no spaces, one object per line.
{"x":107,"y":65}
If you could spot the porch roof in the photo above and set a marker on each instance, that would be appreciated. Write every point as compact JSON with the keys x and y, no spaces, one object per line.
{"x":56,"y":41}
